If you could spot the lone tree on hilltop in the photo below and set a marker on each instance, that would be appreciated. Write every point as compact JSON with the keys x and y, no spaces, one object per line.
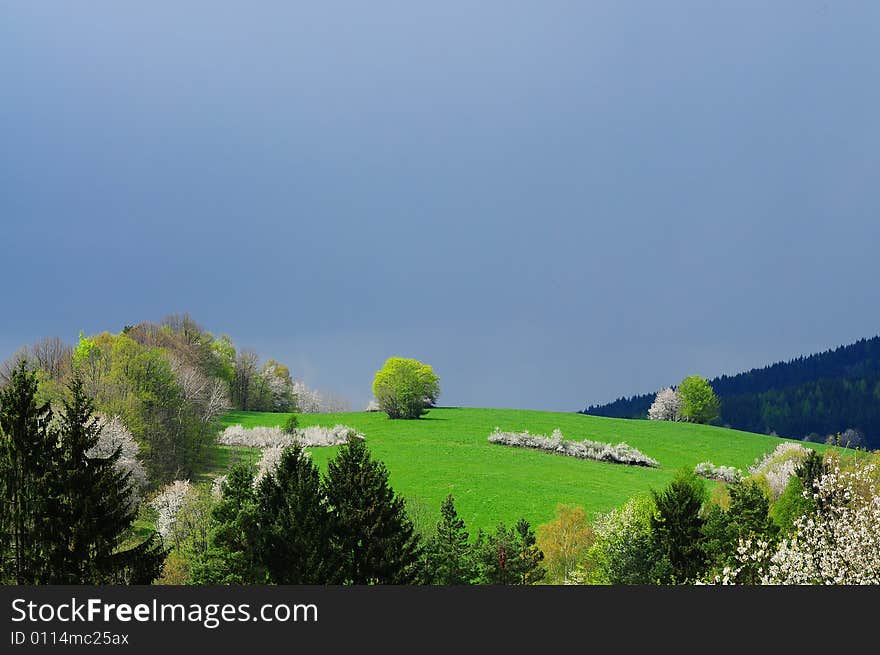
{"x":405,"y":388}
{"x":699,"y":404}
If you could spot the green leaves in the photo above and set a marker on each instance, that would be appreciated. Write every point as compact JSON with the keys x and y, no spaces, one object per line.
{"x":404,"y":388}
{"x":699,"y":402}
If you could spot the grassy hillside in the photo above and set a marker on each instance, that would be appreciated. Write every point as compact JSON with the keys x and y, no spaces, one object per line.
{"x":447,"y":451}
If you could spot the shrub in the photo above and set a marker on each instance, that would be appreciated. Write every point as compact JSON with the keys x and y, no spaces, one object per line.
{"x":290,"y":425}
{"x":266,"y":437}
{"x":777,"y":467}
{"x":727,"y":474}
{"x":622,"y":552}
{"x":405,"y":388}
{"x":586,"y":449}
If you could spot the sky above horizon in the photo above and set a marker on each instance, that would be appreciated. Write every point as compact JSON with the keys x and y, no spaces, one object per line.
{"x":553,"y":203}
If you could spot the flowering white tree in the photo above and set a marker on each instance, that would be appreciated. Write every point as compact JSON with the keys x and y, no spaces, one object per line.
{"x":666,"y":406}
{"x":268,"y":462}
{"x":838,"y":544}
{"x":779,"y":466}
{"x":279,"y":386}
{"x":312,"y":401}
{"x":114,"y":435}
{"x":209,"y":395}
{"x":168,"y":503}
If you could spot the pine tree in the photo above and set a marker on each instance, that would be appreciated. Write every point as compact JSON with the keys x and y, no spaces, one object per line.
{"x":374,"y":538}
{"x":449,"y":557}
{"x":28,"y":455}
{"x":233,"y":543}
{"x":295,"y":529}
{"x":510,"y":556}
{"x":66,"y":515}
{"x":677,"y":528}
{"x":96,"y":512}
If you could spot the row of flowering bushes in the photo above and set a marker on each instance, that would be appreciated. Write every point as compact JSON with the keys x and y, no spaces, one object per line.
{"x":603,"y":452}
{"x":710,"y":471}
{"x":266,"y":437}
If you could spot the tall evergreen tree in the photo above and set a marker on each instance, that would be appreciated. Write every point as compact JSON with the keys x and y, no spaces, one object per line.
{"x":96,"y":512}
{"x":233,"y":543}
{"x":449,"y":556}
{"x":28,"y":455}
{"x":677,"y":528}
{"x":509,"y":556}
{"x":374,"y":537}
{"x":294,"y":542}
{"x":66,"y":515}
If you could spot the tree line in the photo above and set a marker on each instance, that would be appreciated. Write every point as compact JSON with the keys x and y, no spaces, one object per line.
{"x":804,"y":398}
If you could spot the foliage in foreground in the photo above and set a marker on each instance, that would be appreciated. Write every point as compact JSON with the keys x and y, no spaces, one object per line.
{"x":838,"y":543}
{"x":66,"y":514}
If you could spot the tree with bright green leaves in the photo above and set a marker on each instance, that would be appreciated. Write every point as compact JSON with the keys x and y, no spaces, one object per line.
{"x":677,"y":529}
{"x":374,"y":539}
{"x":295,"y":530}
{"x":405,"y":388}
{"x":448,"y":554}
{"x":699,"y":404}
{"x":509,"y":556}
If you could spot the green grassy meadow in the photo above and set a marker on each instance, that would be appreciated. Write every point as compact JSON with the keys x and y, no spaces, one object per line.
{"x":447,"y":451}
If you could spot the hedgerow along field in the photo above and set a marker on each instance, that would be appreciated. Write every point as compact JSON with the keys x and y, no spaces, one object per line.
{"x":447,"y":451}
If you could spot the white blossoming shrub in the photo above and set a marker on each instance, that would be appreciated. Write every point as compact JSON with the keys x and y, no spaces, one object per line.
{"x":168,"y":503}
{"x":273,"y":441}
{"x":270,"y":437}
{"x":115,"y":435}
{"x":315,"y":435}
{"x":373,"y":406}
{"x":779,"y":466}
{"x":837,"y":545}
{"x":727,"y":474}
{"x":259,"y":437}
{"x":666,"y":406}
{"x":586,"y":449}
{"x":217,"y":486}
{"x":268,"y":462}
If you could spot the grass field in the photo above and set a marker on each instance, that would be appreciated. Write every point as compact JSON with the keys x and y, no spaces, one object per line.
{"x":447,"y":451}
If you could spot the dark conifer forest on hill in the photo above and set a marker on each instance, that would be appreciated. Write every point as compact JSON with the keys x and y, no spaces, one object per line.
{"x":809,"y":397}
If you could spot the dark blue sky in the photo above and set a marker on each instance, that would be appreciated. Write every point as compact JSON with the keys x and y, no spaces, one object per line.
{"x":553,"y":203}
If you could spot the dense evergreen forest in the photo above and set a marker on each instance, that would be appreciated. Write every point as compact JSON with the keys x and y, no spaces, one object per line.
{"x":804,"y":398}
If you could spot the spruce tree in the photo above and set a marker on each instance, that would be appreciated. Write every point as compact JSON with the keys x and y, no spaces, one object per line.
{"x":677,"y":529}
{"x":66,"y":515}
{"x":449,"y":557}
{"x":96,"y":512}
{"x":28,"y":457}
{"x":374,"y":538}
{"x":231,"y":557}
{"x":509,"y":556}
{"x":294,"y":541}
